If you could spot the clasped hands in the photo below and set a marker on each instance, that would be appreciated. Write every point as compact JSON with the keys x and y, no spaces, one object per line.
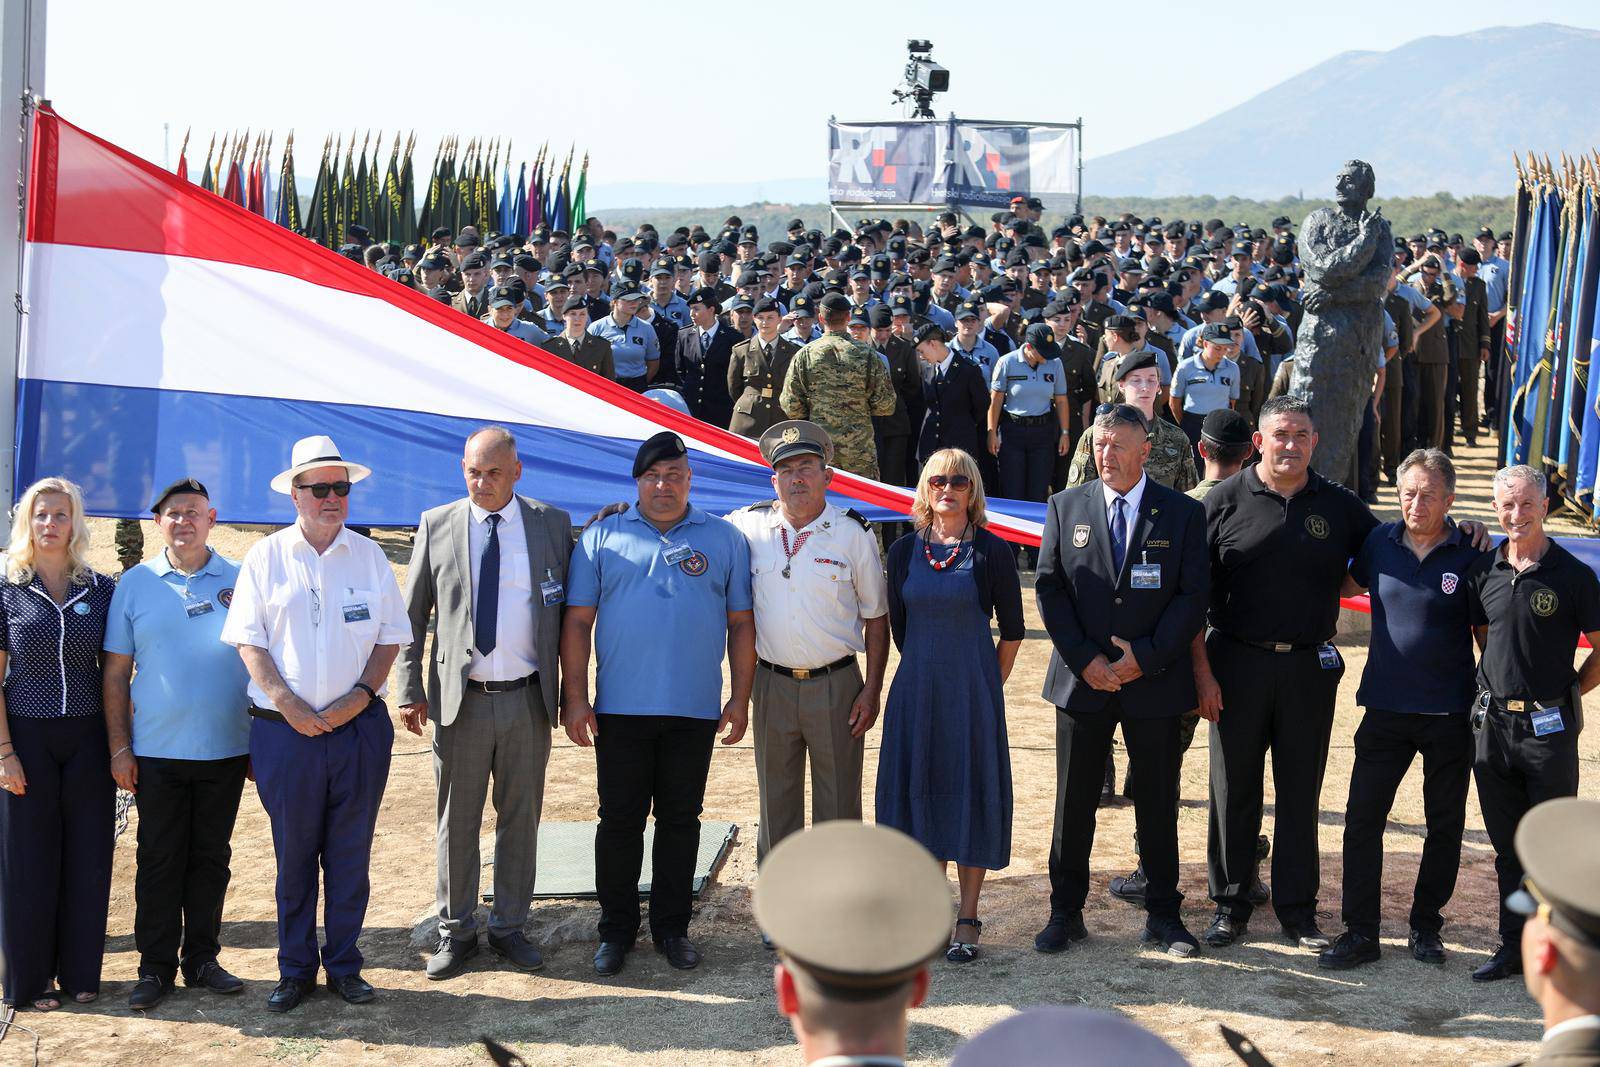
{"x":305,"y":721}
{"x":1109,"y":677}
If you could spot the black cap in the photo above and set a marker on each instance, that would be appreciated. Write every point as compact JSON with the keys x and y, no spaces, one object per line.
{"x":1470,"y":257}
{"x":1042,"y":336}
{"x":435,"y":261}
{"x":664,"y":445}
{"x":503,"y":296}
{"x":574,"y":303}
{"x":767,"y":303}
{"x":834,"y":302}
{"x":182,"y":485}
{"x":475,"y":261}
{"x":1145,"y":357}
{"x":1225,"y":426}
{"x":1217,"y":333}
{"x":705,"y":295}
{"x":928,"y":331}
{"x":710,"y":261}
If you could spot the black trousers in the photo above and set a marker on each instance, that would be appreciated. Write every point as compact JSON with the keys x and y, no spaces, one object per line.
{"x":55,"y":857}
{"x":1410,"y":405}
{"x":1367,"y":453}
{"x":1386,"y":743}
{"x":186,"y":814}
{"x":648,"y":763}
{"x":1155,"y":748}
{"x":1492,"y":371}
{"x":1027,"y":460}
{"x":1282,"y":701}
{"x":1516,"y":770}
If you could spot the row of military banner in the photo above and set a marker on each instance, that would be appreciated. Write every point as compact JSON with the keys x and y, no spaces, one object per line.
{"x":1552,"y":329}
{"x":471,"y":184}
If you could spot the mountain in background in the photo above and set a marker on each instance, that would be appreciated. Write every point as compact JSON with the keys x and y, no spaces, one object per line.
{"x":610,"y":196}
{"x":1438,"y":113}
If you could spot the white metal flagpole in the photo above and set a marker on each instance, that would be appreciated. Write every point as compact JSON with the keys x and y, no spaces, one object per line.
{"x":22,"y":27}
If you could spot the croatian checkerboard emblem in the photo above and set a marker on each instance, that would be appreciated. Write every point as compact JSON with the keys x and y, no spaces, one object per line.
{"x":695,"y":565}
{"x":1080,"y":535}
{"x":1448,"y":582}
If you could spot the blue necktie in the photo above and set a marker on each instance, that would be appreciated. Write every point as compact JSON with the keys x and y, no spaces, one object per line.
{"x":483,"y":634}
{"x":1119,"y":535}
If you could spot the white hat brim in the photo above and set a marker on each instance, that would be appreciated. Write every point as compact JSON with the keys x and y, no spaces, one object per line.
{"x":284,"y":482}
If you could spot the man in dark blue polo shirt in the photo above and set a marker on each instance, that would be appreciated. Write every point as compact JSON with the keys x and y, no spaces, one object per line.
{"x":1417,"y":689}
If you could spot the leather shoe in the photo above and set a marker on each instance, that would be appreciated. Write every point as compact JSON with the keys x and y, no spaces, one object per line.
{"x":1427,"y":946}
{"x":1108,"y":788}
{"x":517,"y":950}
{"x":1503,"y":964}
{"x":1224,"y":930}
{"x":289,"y":992}
{"x":213,"y":979}
{"x":1351,"y":950}
{"x":147,"y":992}
{"x":608,"y":959}
{"x":1306,"y":935}
{"x":680,"y":952}
{"x":450,"y":959}
{"x":1130,"y":888}
{"x":1172,"y":935}
{"x":1060,"y":931}
{"x":353,"y":988}
{"x":1260,"y":893}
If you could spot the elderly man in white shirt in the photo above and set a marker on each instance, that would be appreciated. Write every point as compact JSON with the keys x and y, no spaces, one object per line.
{"x":821,"y":598}
{"x":318,"y":618}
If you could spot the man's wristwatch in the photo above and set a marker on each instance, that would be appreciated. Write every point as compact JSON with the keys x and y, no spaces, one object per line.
{"x":364,"y":687}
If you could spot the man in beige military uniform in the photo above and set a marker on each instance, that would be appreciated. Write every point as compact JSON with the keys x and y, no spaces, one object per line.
{"x":854,"y":946}
{"x":820,"y":600}
{"x":839,"y":384}
{"x":1558,"y":843}
{"x":757,"y":368}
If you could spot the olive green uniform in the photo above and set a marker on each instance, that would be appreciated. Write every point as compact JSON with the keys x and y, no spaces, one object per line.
{"x":840,"y":385}
{"x":592,"y":353}
{"x":1171,"y":459}
{"x":130,"y":543}
{"x":755,"y":380}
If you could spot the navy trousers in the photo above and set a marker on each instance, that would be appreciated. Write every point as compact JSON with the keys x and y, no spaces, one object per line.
{"x":322,"y":795}
{"x":1027,"y":460}
{"x":55,"y":857}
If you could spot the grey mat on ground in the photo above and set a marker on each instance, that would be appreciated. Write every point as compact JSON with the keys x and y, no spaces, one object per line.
{"x":566,"y":858}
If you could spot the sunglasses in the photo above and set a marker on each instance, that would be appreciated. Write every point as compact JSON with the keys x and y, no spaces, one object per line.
{"x":320,"y":490}
{"x":958,"y":482}
{"x":1124,"y":413}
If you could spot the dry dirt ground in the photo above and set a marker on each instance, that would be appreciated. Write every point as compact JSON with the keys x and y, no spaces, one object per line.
{"x":1397,"y":1012}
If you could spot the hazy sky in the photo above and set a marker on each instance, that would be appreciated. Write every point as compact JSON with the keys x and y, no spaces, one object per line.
{"x":678,"y":92}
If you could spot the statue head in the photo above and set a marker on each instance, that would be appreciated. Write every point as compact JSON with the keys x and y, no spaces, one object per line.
{"x":1355,"y":184}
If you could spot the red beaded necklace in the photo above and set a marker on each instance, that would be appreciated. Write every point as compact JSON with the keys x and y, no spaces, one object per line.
{"x":955,"y":553}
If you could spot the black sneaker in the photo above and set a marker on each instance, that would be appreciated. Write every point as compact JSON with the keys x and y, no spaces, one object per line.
{"x":1059,"y":932}
{"x":1171,"y":934}
{"x":1426,"y":946}
{"x":1351,"y":950}
{"x":1130,"y":888}
{"x":147,"y":992}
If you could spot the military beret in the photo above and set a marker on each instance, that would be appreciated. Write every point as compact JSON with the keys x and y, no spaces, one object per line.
{"x":879,"y":316}
{"x":705,"y":295}
{"x":466,"y":239}
{"x":747,"y":279}
{"x":1129,"y":263}
{"x":740,"y":303}
{"x":767,"y":303}
{"x":834,"y":302}
{"x":525,"y":262}
{"x":1123,"y":322}
{"x":1470,"y":257}
{"x":709,"y":261}
{"x":795,"y":437}
{"x":475,"y":261}
{"x":1058,"y":306}
{"x":182,"y":485}
{"x":663,"y":446}
{"x":946,"y":265}
{"x":574,"y":303}
{"x":1144,"y":357}
{"x":929,"y":331}
{"x":1225,"y":426}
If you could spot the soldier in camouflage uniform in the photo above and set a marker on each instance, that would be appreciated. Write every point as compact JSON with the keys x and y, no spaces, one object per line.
{"x":839,"y":384}
{"x":1171,"y":459}
{"x":130,"y":543}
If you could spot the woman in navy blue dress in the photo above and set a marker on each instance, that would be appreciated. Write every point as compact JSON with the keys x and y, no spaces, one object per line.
{"x":57,"y":797}
{"x":944,"y":770}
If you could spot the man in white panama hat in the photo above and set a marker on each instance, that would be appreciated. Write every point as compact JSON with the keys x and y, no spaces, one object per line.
{"x":318,"y":618}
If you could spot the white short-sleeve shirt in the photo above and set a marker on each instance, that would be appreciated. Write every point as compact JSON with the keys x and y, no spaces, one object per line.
{"x":320,"y":616}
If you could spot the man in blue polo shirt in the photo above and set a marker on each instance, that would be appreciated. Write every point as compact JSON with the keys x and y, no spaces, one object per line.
{"x":183,"y":755}
{"x":662,"y":588}
{"x":1417,"y":688}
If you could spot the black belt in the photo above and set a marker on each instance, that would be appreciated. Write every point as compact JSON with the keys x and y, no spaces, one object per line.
{"x":267,"y":713}
{"x":1029,"y":420}
{"x":802,"y":673}
{"x":501,"y":687}
{"x":1520,"y":706}
{"x":1271,"y":646}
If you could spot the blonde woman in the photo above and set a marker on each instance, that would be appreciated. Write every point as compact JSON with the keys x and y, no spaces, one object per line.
{"x":56,"y":790}
{"x":944,"y":772}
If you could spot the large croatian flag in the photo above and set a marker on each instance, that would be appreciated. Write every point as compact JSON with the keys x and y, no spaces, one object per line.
{"x":171,"y":333}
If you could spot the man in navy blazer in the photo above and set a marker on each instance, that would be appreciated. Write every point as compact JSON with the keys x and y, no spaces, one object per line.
{"x":1122,"y":582}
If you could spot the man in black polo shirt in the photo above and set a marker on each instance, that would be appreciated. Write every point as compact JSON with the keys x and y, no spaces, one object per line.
{"x":1281,"y":537}
{"x":1529,"y":601}
{"x":1417,"y":689}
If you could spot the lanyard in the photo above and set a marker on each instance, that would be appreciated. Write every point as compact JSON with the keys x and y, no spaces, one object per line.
{"x":789,"y":553}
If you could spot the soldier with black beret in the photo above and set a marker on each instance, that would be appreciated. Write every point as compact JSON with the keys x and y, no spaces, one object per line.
{"x":576,"y":344}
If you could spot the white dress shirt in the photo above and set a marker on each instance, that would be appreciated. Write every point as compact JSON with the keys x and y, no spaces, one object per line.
{"x":516,"y":625}
{"x":320,"y":616}
{"x":815,"y":616}
{"x":1130,"y":510}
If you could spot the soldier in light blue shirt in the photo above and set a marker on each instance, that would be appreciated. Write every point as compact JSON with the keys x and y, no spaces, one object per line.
{"x":968,"y":342}
{"x":1201,"y":384}
{"x":183,"y":755}
{"x":665,"y":297}
{"x":658,"y":687}
{"x":634,"y":348}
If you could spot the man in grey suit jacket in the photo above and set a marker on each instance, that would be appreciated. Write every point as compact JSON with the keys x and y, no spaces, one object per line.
{"x":493,"y":568}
